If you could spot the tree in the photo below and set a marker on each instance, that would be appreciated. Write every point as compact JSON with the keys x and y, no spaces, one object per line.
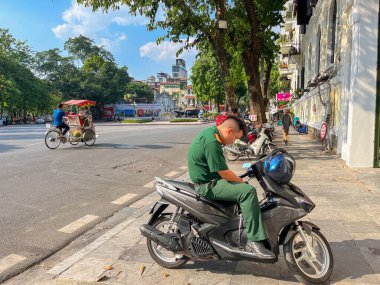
{"x":269,"y":56}
{"x":139,"y":91}
{"x":276,"y":85}
{"x":60,"y":72}
{"x":82,"y":48}
{"x":103,"y":81}
{"x":248,"y":21}
{"x":21,"y":91}
{"x":251,"y":22}
{"x":195,"y":20}
{"x":206,"y":79}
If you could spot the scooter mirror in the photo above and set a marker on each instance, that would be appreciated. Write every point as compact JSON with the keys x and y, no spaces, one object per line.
{"x":246,"y":165}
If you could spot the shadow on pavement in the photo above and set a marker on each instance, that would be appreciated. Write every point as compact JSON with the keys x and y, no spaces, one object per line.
{"x":350,"y":263}
{"x":8,"y":147}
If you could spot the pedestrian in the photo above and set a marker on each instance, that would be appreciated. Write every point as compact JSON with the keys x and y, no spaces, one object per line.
{"x":213,"y":180}
{"x":286,"y":120}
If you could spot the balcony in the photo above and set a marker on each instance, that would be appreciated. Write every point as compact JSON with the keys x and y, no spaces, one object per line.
{"x":285,"y":48}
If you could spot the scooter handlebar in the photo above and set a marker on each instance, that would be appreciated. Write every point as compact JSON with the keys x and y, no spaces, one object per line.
{"x":244,"y":175}
{"x":249,"y":173}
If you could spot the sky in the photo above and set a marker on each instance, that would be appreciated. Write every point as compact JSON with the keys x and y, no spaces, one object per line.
{"x":46,"y":24}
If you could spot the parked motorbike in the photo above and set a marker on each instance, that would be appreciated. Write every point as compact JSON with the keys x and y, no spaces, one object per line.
{"x":257,"y":144}
{"x":201,"y":229}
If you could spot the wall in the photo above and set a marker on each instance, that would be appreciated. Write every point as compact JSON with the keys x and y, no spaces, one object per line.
{"x":351,"y":93}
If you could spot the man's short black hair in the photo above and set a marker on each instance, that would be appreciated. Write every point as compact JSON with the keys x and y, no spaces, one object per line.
{"x":241,"y":124}
{"x":60,"y":105}
{"x":234,"y":110}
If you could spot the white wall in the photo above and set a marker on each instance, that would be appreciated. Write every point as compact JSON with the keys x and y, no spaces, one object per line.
{"x":353,"y":90}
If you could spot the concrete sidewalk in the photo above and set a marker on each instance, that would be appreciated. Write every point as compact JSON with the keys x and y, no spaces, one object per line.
{"x":348,"y":206}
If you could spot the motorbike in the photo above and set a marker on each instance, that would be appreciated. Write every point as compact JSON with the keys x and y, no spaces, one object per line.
{"x":257,"y":144}
{"x":201,"y":229}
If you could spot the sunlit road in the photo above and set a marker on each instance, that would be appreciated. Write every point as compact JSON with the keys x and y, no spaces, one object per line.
{"x":49,"y":197}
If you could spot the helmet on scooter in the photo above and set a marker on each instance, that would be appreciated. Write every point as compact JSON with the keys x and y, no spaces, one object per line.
{"x":279,"y":166}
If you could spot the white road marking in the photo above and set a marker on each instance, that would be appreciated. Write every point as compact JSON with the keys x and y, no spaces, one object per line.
{"x":171,"y":174}
{"x":149,"y":185}
{"x":183,"y":167}
{"x":9,"y":261}
{"x":122,"y":200}
{"x":70,"y":228}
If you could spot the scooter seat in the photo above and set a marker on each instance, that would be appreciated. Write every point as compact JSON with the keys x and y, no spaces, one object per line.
{"x":189,"y":187}
{"x":185,"y":186}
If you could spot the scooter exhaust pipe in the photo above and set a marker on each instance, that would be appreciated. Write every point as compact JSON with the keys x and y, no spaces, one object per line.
{"x":170,"y":241}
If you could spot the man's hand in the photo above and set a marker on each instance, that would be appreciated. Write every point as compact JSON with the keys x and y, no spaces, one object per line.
{"x":228,"y":175}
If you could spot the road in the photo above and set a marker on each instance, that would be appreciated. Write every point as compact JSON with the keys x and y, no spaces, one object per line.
{"x":50,"y":197}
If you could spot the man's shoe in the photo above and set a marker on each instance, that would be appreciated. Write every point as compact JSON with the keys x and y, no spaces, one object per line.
{"x":258,"y":248}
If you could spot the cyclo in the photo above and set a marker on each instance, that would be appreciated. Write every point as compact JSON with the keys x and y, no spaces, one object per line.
{"x":81,"y":127}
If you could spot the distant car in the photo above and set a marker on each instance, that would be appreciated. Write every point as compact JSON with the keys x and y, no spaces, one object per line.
{"x":48,"y":119}
{"x":40,"y":120}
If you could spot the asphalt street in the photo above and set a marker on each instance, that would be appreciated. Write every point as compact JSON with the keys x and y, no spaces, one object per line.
{"x":50,"y":197}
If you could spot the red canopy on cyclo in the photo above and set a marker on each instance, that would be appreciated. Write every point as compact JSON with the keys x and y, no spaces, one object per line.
{"x":80,"y":103}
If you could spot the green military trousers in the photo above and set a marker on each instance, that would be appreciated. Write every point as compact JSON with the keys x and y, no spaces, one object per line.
{"x":246,"y":196}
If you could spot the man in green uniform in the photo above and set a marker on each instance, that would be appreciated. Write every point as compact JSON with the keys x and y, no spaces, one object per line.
{"x":213,"y":180}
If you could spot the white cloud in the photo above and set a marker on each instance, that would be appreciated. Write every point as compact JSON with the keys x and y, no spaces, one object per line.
{"x":80,"y":20}
{"x":165,"y":51}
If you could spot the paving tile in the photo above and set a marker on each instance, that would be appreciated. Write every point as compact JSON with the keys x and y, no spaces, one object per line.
{"x":362,"y":227}
{"x":350,"y":265}
{"x":335,"y":232}
{"x":246,"y":279}
{"x":372,"y":256}
{"x":211,"y":272}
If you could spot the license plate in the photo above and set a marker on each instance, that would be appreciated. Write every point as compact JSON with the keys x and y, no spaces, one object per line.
{"x":48,"y":126}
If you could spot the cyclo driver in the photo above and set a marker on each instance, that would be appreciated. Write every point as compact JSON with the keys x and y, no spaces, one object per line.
{"x":58,"y":120}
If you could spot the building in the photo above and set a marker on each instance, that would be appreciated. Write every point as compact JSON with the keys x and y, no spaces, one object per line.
{"x":335,"y":72}
{"x":179,"y":69}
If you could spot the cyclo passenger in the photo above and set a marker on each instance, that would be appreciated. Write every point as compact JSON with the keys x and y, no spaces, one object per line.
{"x":213,"y":180}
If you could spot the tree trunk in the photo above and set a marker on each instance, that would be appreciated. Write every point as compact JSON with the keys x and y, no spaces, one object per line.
{"x":1,"y":109}
{"x":267,"y":82}
{"x":251,"y":61}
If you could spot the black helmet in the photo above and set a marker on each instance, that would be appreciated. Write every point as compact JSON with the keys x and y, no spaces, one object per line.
{"x":279,"y":166}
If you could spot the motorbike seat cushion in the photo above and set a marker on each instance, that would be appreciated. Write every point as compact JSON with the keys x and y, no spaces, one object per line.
{"x":186,"y":186}
{"x":189,"y":187}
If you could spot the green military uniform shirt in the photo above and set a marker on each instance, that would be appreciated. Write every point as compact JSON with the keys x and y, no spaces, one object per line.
{"x":206,"y":157}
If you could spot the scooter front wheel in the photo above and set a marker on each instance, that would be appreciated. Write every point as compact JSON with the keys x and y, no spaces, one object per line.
{"x":303,"y":266}
{"x":164,"y":257}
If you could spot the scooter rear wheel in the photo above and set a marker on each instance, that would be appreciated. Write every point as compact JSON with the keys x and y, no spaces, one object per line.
{"x":302,"y":265}
{"x":163,"y":257}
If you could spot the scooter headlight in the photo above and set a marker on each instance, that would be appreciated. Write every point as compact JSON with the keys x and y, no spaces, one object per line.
{"x":306,"y":203}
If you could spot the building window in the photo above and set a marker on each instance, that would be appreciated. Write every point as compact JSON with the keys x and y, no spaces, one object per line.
{"x":333,"y":31}
{"x":318,"y":52}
